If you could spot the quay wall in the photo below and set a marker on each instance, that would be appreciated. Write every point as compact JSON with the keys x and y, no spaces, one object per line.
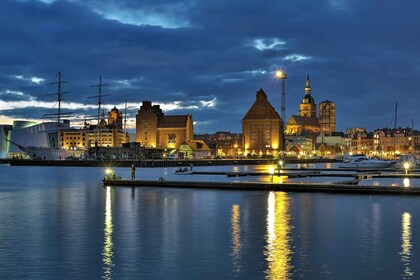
{"x":158,"y":163}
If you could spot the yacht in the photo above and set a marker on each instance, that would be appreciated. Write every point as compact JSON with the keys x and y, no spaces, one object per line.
{"x":364,"y":162}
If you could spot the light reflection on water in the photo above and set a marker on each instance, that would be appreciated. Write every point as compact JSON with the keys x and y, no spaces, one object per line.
{"x":236,"y":238}
{"x":278,"y":252}
{"x":107,"y":252}
{"x":406,"y":245}
{"x":81,"y":230}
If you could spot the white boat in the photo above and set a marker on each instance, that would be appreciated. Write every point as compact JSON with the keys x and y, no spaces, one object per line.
{"x":184,"y":171}
{"x":364,"y":162}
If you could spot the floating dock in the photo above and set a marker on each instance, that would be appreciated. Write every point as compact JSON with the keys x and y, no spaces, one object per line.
{"x":340,"y":187}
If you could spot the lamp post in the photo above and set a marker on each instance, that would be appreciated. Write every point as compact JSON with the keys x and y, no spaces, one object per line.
{"x":282,"y":76}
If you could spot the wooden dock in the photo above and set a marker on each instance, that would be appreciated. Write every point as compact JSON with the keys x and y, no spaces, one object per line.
{"x":343,"y":187}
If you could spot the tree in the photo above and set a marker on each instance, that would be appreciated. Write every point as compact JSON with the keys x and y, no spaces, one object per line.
{"x":322,"y":149}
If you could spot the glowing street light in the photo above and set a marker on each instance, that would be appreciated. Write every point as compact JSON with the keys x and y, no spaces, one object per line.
{"x":406,"y":167}
{"x":280,"y":74}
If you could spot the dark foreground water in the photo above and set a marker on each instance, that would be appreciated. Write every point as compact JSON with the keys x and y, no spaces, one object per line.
{"x":60,"y":223}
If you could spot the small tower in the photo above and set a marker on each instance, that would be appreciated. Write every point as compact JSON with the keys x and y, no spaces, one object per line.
{"x":308,"y":107}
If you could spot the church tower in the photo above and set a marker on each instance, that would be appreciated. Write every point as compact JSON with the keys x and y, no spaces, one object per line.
{"x":308,"y":107}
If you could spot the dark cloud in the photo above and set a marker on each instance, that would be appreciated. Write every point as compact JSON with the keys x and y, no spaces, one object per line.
{"x":360,"y":54}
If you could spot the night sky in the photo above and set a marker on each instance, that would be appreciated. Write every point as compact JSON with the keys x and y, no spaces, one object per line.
{"x":209,"y":58}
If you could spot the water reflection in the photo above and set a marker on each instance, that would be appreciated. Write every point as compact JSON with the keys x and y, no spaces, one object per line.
{"x":278,"y":252}
{"x":107,"y":252}
{"x":406,"y":182}
{"x":236,"y":237}
{"x":406,"y":245}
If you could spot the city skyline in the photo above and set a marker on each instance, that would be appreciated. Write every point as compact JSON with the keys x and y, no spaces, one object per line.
{"x":209,"y":60}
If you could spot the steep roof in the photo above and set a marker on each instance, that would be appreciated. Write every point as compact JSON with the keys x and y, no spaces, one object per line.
{"x":303,"y":120}
{"x":197,"y":145}
{"x":173,"y":121}
{"x":261,"y":109}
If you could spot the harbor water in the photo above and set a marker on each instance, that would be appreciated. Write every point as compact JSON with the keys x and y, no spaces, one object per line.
{"x":61,"y":223}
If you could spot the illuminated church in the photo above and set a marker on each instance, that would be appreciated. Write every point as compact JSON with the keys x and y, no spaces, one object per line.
{"x":307,"y":121}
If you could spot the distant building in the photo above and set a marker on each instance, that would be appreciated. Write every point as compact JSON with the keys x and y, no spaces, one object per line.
{"x":326,"y":116}
{"x":115,"y":119}
{"x":261,"y":128}
{"x":154,"y":129}
{"x":403,"y":141}
{"x":306,"y":121}
{"x":223,"y":143}
{"x":194,"y":149}
{"x":308,"y":107}
{"x":105,"y":135}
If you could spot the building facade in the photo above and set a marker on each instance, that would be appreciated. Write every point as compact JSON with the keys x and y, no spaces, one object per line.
{"x":326,"y":116}
{"x":154,"y":129}
{"x":306,"y":121}
{"x":261,"y":128}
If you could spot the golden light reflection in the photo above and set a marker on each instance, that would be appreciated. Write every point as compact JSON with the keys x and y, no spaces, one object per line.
{"x":406,"y":245}
{"x":406,"y":182}
{"x":236,"y":236}
{"x":107,"y":252}
{"x":278,"y":252}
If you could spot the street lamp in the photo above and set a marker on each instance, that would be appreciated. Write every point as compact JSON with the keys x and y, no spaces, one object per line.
{"x":406,"y":167}
{"x":280,"y":74}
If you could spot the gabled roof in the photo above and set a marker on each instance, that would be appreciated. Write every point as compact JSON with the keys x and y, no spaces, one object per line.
{"x":261,"y":109}
{"x":173,"y":121}
{"x":197,"y":145}
{"x":303,"y":120}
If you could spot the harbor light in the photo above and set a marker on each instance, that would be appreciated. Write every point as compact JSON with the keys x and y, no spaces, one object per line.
{"x":109,"y":174}
{"x":271,"y":172}
{"x":406,"y":167}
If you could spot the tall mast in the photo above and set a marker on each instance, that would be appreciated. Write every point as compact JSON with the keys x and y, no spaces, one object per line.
{"x":395,"y":125}
{"x":99,"y":96}
{"x":125,"y":117}
{"x":59,"y":113}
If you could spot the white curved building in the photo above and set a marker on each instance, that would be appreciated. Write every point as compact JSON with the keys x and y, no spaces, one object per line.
{"x":28,"y":133}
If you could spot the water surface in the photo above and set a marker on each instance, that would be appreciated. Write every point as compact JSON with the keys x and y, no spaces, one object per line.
{"x":61,"y":223}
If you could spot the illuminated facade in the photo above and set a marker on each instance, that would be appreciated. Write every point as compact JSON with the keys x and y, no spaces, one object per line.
{"x":154,"y":129}
{"x":308,"y":107}
{"x":326,"y":116}
{"x":306,"y":121}
{"x":261,"y":128}
{"x":115,"y":119}
{"x":405,"y":141}
{"x":196,"y":149}
{"x":106,"y":135}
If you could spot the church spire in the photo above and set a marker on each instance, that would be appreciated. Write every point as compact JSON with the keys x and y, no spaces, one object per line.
{"x":308,"y":85}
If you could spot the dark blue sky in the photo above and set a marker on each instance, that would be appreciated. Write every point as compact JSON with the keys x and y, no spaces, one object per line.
{"x":209,"y":58}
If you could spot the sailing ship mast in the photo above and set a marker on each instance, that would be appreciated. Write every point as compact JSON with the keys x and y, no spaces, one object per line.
{"x":99,"y":96}
{"x":59,"y":113}
{"x":395,"y":126}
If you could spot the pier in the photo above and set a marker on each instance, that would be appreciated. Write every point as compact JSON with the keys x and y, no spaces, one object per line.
{"x":341,"y":187}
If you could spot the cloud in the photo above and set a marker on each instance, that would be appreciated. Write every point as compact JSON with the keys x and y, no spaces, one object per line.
{"x":296,"y":57}
{"x":34,"y":80}
{"x":267,"y":44}
{"x":181,"y":51}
